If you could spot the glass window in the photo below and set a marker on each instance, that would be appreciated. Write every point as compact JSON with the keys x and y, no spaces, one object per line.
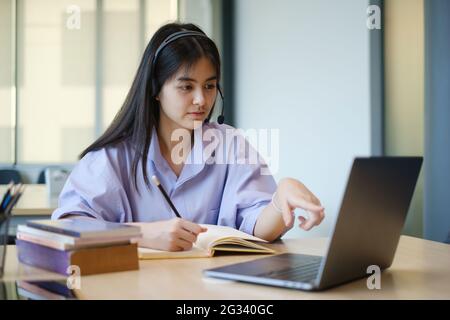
{"x":120,"y":54}
{"x":122,"y":38}
{"x":6,"y":82}
{"x":56,"y":79}
{"x":75,"y":63}
{"x":169,"y":10}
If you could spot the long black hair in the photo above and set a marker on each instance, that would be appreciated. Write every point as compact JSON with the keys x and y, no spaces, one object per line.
{"x":139,"y":113}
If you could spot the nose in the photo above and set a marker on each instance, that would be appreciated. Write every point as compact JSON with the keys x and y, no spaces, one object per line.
{"x":199,"y":98}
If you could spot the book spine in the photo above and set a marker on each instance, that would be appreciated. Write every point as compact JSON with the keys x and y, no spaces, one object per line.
{"x":53,"y":229}
{"x":47,"y":235}
{"x":126,"y":231}
{"x":90,"y":261}
{"x":43,"y":257}
{"x":43,"y":242}
{"x":69,"y":242}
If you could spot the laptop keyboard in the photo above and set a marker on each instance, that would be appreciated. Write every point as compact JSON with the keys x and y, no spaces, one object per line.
{"x":305,"y":271}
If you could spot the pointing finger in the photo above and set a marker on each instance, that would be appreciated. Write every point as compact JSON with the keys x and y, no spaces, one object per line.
{"x":305,"y":205}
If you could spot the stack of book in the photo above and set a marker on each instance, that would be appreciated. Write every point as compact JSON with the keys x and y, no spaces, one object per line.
{"x":88,"y":245}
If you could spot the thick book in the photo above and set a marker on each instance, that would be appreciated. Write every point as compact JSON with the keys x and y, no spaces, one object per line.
{"x":85,"y":228}
{"x":64,"y":242}
{"x":216,"y":238}
{"x":90,"y":261}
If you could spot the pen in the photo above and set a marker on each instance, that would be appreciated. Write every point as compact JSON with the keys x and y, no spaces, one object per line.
{"x":160,"y":187}
{"x":15,"y":198}
{"x":6,"y":195}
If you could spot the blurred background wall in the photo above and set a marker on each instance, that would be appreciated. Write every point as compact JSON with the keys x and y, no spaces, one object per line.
{"x":303,"y":67}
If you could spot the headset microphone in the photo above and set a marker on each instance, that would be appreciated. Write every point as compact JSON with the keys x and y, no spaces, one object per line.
{"x":221,"y":118}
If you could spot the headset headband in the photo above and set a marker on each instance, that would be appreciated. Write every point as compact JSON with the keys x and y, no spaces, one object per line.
{"x":173,"y":37}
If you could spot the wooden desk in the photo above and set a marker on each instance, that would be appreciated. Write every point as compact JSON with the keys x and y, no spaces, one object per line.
{"x":421,"y":270}
{"x":34,"y":201}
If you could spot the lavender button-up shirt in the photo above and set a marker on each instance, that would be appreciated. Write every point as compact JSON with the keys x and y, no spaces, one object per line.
{"x":224,"y":187}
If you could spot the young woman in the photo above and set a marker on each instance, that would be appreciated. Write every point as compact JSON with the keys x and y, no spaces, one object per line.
{"x":174,"y":91}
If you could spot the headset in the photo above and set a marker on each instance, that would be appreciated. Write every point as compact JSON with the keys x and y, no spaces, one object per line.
{"x":171,"y":38}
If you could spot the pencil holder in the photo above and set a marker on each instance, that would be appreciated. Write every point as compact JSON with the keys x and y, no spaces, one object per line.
{"x":4,"y":233}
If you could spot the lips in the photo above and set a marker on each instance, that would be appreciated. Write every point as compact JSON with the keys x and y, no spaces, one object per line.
{"x":196,"y":114}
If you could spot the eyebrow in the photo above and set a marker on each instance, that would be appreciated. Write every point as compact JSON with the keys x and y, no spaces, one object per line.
{"x":193,"y":80}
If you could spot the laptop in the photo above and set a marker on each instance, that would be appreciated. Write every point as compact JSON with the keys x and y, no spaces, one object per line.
{"x":366,"y":232}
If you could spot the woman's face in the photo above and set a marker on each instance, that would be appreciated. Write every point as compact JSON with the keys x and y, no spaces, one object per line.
{"x":187,"y":98}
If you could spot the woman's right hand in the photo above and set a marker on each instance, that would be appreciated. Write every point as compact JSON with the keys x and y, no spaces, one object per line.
{"x":169,"y":235}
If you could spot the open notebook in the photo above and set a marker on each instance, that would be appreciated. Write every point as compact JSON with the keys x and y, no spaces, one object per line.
{"x":217,"y":238}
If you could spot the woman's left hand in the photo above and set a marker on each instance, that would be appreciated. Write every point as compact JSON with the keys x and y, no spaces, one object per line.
{"x":292,"y":194}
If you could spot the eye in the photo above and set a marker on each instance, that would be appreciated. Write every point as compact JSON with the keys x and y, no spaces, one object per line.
{"x":210,"y":86}
{"x":186,"y":87}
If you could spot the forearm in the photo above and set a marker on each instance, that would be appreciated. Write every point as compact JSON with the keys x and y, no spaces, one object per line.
{"x":270,"y":224}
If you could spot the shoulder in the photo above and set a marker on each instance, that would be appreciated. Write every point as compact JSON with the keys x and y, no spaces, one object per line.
{"x":109,"y":158}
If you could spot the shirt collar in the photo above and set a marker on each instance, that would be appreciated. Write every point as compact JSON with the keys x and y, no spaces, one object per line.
{"x":195,"y":161}
{"x":154,"y":152}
